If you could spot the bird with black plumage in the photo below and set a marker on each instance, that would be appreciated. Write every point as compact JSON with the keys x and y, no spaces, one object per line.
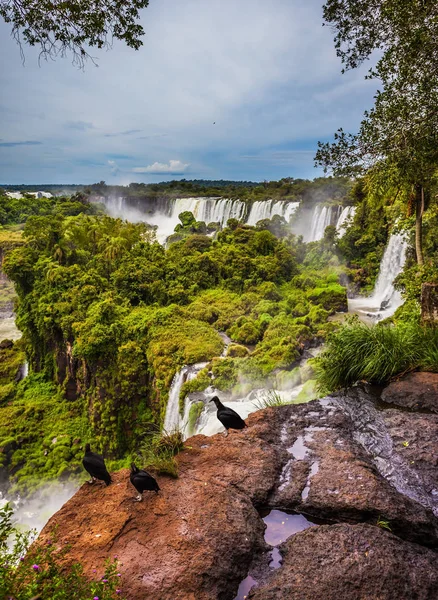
{"x":227,"y":416}
{"x":143,"y":482}
{"x":95,"y":466}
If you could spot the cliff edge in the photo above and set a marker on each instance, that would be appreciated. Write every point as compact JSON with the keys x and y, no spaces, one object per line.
{"x":363,"y":471}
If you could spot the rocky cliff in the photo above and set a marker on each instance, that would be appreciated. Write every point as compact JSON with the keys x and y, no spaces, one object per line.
{"x":359,"y":473}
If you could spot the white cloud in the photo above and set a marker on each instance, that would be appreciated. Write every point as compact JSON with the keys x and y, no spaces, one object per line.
{"x":175,"y":167}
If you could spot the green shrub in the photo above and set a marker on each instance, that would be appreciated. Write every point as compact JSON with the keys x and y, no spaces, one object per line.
{"x":237,"y":351}
{"x":332,"y":297}
{"x":27,"y":573}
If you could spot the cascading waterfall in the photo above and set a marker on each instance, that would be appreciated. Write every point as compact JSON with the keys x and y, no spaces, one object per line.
{"x":266,"y":209}
{"x":34,"y":511}
{"x":216,"y":210}
{"x":209,"y":210}
{"x":385,"y":300}
{"x":321,"y":218}
{"x":342,"y":222}
{"x":173,"y":419}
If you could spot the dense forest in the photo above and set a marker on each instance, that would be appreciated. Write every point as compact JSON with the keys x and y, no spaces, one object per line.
{"x":318,"y":190}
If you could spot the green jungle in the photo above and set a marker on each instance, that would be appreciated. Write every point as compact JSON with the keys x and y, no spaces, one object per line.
{"x":108,"y":316}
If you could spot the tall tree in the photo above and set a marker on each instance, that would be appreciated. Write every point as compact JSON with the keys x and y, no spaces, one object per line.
{"x":400,"y":133}
{"x":60,"y":27}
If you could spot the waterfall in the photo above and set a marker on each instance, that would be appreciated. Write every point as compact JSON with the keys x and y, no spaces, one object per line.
{"x":173,"y":420}
{"x":209,"y":210}
{"x":341,"y":224}
{"x":266,"y":209}
{"x":34,"y":511}
{"x":392,"y":264}
{"x":385,"y":300}
{"x":321,"y":218}
{"x":23,"y":372}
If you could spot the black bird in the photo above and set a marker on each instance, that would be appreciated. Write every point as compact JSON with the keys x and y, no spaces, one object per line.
{"x":143,"y":482}
{"x":227,"y":416}
{"x":95,"y":466}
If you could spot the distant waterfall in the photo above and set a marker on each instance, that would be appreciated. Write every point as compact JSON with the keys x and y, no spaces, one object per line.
{"x":321,"y":218}
{"x":209,"y":210}
{"x":346,"y":213}
{"x":385,"y":300}
{"x":266,"y":209}
{"x":172,"y":418}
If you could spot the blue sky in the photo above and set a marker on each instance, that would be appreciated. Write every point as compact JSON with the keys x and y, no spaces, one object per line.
{"x":219,"y":90}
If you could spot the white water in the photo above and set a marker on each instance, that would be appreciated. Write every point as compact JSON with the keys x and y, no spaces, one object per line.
{"x":18,"y":195}
{"x":266,"y":209}
{"x":342,"y":222}
{"x":322,"y":216}
{"x":321,"y":219}
{"x":208,"y":423}
{"x":208,"y":210}
{"x":385,"y":300}
{"x":173,"y":419}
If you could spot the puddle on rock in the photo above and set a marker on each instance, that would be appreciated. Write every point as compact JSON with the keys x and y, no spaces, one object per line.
{"x":313,"y":471}
{"x":245,"y":587}
{"x":275,"y":559}
{"x":299,"y":449}
{"x":281,"y":525}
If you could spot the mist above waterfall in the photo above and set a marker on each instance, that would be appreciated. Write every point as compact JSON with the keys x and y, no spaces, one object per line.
{"x":35,"y":510}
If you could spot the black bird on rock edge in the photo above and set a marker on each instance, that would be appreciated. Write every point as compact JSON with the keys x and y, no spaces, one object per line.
{"x":143,"y":482}
{"x":227,"y":416}
{"x":95,"y":466}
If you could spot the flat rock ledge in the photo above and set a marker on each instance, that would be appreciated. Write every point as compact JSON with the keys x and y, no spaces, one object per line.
{"x":342,"y":460}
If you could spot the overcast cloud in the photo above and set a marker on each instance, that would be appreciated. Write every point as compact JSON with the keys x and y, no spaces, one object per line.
{"x":220,"y":89}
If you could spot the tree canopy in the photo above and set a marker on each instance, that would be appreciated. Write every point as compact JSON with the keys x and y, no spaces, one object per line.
{"x":398,"y":136}
{"x":60,"y":27}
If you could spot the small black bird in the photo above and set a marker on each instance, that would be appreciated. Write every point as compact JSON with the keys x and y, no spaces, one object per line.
{"x":227,"y":416}
{"x":142,"y":482}
{"x":95,"y":466}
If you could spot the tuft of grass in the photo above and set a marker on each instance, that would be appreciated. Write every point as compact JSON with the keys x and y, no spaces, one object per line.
{"x":374,"y":353}
{"x":269,"y":400}
{"x":429,"y":361}
{"x":159,"y":450}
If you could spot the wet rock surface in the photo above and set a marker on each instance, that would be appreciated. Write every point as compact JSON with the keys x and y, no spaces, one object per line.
{"x":352,"y":562}
{"x":417,"y":391}
{"x":342,"y":461}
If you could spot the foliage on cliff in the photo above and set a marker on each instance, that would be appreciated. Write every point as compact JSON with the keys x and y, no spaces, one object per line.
{"x":28,"y":572}
{"x":108,"y":316}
